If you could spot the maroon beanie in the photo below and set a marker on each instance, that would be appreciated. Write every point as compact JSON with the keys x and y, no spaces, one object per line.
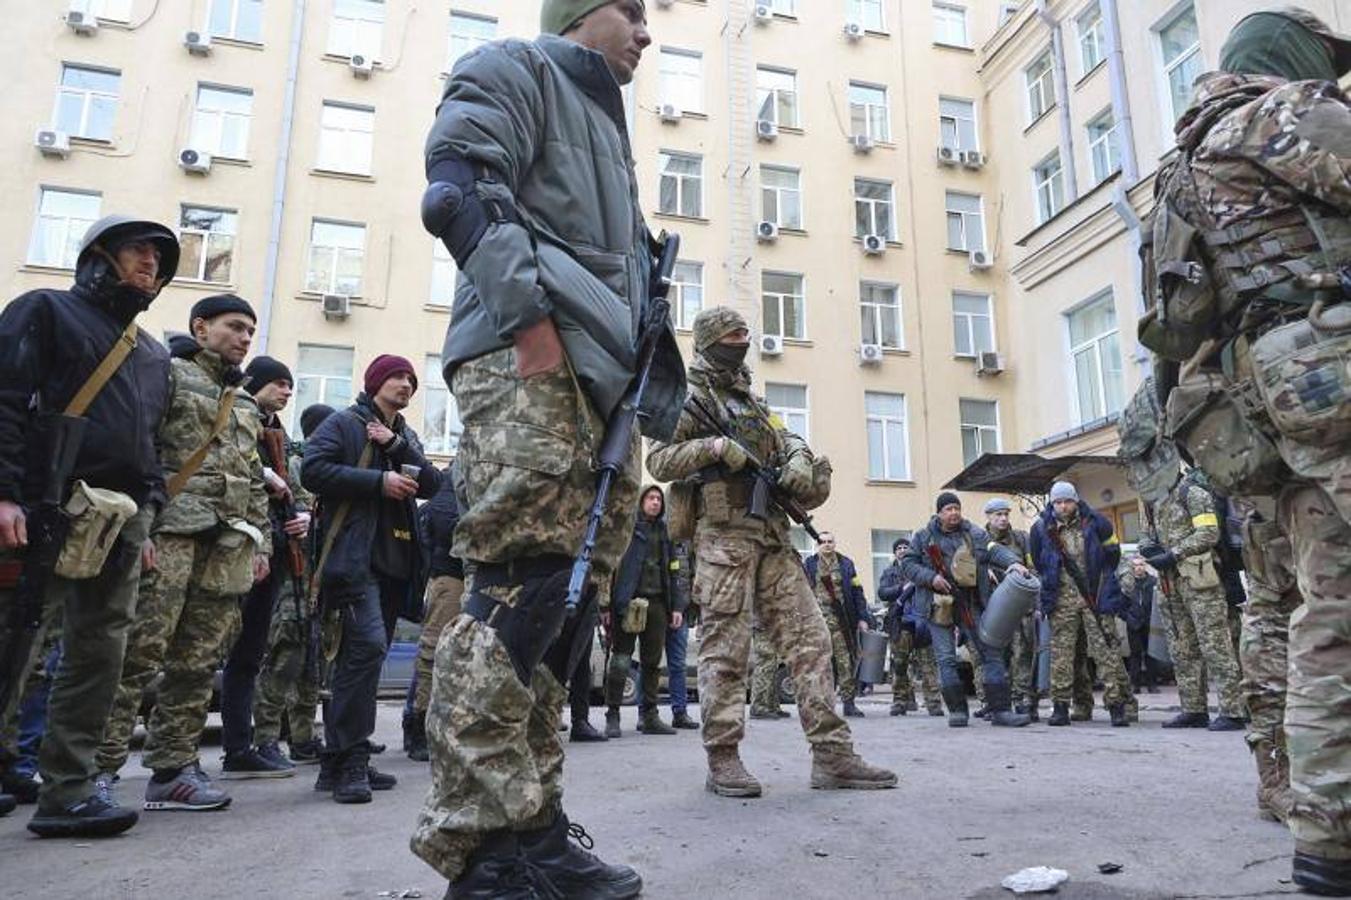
{"x":384,"y":367}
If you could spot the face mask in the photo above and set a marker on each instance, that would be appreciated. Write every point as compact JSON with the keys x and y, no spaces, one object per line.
{"x":727,"y":356}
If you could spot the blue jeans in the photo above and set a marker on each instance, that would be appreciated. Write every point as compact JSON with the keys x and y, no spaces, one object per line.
{"x":246,"y":659}
{"x":33,"y":716}
{"x":945,"y":649}
{"x":350,"y":718}
{"x":677,"y":639}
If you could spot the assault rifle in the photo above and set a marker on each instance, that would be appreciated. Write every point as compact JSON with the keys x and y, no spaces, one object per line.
{"x":274,"y":439}
{"x":617,"y":445}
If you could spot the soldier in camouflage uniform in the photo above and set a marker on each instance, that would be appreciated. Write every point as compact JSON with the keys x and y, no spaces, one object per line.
{"x":1197,"y":610}
{"x":909,"y":663}
{"x":1262,"y":178}
{"x":764,"y":675}
{"x":1022,"y":653}
{"x":212,"y":542}
{"x":747,"y":564}
{"x":839,"y":593}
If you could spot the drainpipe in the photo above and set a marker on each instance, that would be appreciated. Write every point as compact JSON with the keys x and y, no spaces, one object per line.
{"x":279,"y":181}
{"x":1062,"y":89}
{"x":1121,"y":102}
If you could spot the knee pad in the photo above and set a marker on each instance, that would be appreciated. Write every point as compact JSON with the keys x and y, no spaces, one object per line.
{"x":453,"y":210}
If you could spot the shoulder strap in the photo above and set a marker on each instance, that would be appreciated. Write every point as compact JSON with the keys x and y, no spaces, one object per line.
{"x":117,"y":354}
{"x":339,"y":518}
{"x":175,"y":484}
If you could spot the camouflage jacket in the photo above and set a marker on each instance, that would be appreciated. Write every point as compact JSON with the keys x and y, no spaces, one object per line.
{"x":1014,"y":539}
{"x":1190,"y":529}
{"x":228,"y":487}
{"x":723,"y":502}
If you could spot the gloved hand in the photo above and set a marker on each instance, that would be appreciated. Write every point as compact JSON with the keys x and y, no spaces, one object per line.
{"x":1162,"y":560}
{"x":1149,"y":548}
{"x":730,"y":454}
{"x":796,"y":477}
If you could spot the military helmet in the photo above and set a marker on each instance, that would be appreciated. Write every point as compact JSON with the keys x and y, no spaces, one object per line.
{"x":112,"y":232}
{"x":715,"y":323}
{"x":1341,"y":43}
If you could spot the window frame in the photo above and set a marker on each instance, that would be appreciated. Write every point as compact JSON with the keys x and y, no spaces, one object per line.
{"x":88,"y":97}
{"x":200,"y":276}
{"x":969,"y":320}
{"x":462,"y":15}
{"x":1044,"y":85}
{"x":679,"y":300}
{"x":344,"y":136}
{"x":221,"y":116}
{"x":1048,"y":183}
{"x":957,"y":123}
{"x":97,"y":9}
{"x":966,"y":217}
{"x":857,"y":12}
{"x":1107,"y":142}
{"x":779,"y":192}
{"x":890,"y":202}
{"x":1095,"y":344}
{"x":351,"y":47}
{"x":321,"y":396}
{"x":763,"y":93}
{"x":1094,"y":36}
{"x":441,"y":258}
{"x":786,"y":413}
{"x":665,"y":156}
{"x":332,"y":287}
{"x":1166,"y":67}
{"x":72,"y":236}
{"x":979,"y":429}
{"x":781,"y":299}
{"x":233,"y":34}
{"x":948,"y":9}
{"x":868,"y":108}
{"x":878,"y":335}
{"x":447,"y":441}
{"x":676,"y":87}
{"x":883,"y":419}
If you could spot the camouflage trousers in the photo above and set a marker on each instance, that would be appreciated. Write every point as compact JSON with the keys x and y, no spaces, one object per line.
{"x":1202,"y":648}
{"x":734,"y":576}
{"x":909,"y":665}
{"x":183,"y":631}
{"x":1023,"y":662}
{"x":444,"y":593}
{"x":1318,"y":702}
{"x":977,"y":669}
{"x":284,"y":690}
{"x":1070,"y":618}
{"x":764,"y":666}
{"x":841,"y":658}
{"x":526,"y":457}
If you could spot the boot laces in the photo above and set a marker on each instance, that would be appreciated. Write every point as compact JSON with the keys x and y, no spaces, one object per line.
{"x":578,"y":834}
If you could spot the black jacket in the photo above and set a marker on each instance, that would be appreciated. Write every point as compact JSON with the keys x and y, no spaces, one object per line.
{"x":630,"y":572}
{"x":918,"y":567}
{"x":50,"y":342}
{"x":330,"y":472}
{"x":437,"y":520}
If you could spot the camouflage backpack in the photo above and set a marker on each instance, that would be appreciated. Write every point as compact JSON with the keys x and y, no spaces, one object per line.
{"x":1152,"y":463}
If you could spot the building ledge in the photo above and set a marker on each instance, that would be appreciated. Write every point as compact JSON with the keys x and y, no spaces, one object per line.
{"x":1096,"y":425}
{"x":890,"y":483}
{"x":1076,"y":203}
{"x":195,"y":284}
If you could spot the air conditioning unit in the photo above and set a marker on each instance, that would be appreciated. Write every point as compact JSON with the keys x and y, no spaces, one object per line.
{"x":665,"y":4}
{"x":361,"y":65}
{"x":336,"y":306}
{"x":198,"y":43}
{"x":874,"y":244}
{"x":979,"y":260}
{"x":766,"y":130}
{"x":764,"y":14}
{"x":767,"y":232}
{"x":669,"y":112}
{"x":947,"y":156}
{"x":196,"y":161}
{"x":869,"y":354}
{"x":771,"y":345}
{"x":853,"y":31}
{"x":862,"y":143}
{"x":52,"y":143}
{"x":973,"y":159}
{"x":989,"y":363}
{"x":81,"y":21}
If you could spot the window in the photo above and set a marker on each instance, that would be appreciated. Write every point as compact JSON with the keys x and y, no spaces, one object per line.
{"x":1092,"y":44}
{"x":882,"y":539}
{"x":972,"y":324}
{"x":86,"y":102}
{"x":868,"y":111}
{"x":443,"y":276}
{"x":966,"y":223}
{"x":872,"y":208}
{"x":1095,"y":355}
{"x":1180,"y":43}
{"x":781,"y":196}
{"x":468,"y":32}
{"x":980,"y":428}
{"x":337,"y":250}
{"x":682,"y":184}
{"x":1049,"y":178}
{"x":206,"y":237}
{"x":1040,"y":87}
{"x":776,"y":96}
{"x":1102,"y":146}
{"x":867,"y":13}
{"x":789,"y":403}
{"x":241,"y":20}
{"x":888,"y":446}
{"x":880,"y":311}
{"x":63,"y":218}
{"x":220,"y":126}
{"x":682,"y":79}
{"x":345,"y":134}
{"x":323,"y":375}
{"x":687,"y":282}
{"x":950,"y":25}
{"x":441,"y":425}
{"x":782,"y":7}
{"x":112,"y":10}
{"x":802,"y":543}
{"x":784,"y":305}
{"x":357,"y":28}
{"x":957,"y":124}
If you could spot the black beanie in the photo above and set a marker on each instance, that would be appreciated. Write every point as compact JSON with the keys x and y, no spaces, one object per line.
{"x":313,"y":416}
{"x":947,"y":498}
{"x":218,"y":305}
{"x":263,"y":371}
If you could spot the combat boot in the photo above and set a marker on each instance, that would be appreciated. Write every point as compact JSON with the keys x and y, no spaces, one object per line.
{"x":955,"y":698}
{"x":898,"y":708}
{"x":570,"y":869}
{"x":498,"y":870}
{"x":612,"y":723}
{"x":1321,"y":875}
{"x":1223,"y":722}
{"x":727,"y":775}
{"x":682,"y":720}
{"x":1118,"y":713}
{"x":1273,"y":781}
{"x":1060,"y":714}
{"x":328,"y":770}
{"x":999,"y":712}
{"x":23,"y":788}
{"x":352,"y":782}
{"x":836,"y":767}
{"x":584,"y":733}
{"x":415,"y":737}
{"x":1188,"y":720}
{"x":851,"y":710}
{"x":650,"y":723}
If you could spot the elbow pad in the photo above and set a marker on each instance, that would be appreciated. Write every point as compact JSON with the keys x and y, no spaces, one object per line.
{"x":453,"y":211}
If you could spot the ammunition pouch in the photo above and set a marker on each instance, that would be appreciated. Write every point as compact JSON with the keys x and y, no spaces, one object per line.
{"x":228,"y":571}
{"x":682,"y":510}
{"x":1216,"y":421}
{"x":1303,"y":375}
{"x":94,"y":519}
{"x":964,"y":568}
{"x":1184,"y":296}
{"x":531,"y":614}
{"x":635,"y":616}
{"x":942,"y":612}
{"x":1267,"y":555}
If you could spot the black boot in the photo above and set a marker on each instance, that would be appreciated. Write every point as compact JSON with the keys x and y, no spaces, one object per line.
{"x":328,"y":770}
{"x":955,"y":698}
{"x":682,"y":720}
{"x":1319,"y":875}
{"x":851,"y":710}
{"x":1188,"y":720}
{"x":1060,"y":714}
{"x":352,"y":783}
{"x":1118,"y":713}
{"x":1000,"y":714}
{"x":612,"y":723}
{"x":498,"y":870}
{"x":97,"y":816}
{"x":7,"y":804}
{"x":1226,"y":723}
{"x":415,"y":737}
{"x":570,"y":869}
{"x":24,"y":789}
{"x":583,"y":732}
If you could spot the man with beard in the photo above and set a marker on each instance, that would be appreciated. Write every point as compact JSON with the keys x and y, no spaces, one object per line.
{"x":839,"y":591}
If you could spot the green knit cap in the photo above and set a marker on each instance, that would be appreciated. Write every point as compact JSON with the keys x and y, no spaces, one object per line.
{"x":1289,"y":43}
{"x":555,"y":16}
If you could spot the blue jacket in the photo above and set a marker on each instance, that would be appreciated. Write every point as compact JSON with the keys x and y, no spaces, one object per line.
{"x":1101,"y":548}
{"x":855,"y":604}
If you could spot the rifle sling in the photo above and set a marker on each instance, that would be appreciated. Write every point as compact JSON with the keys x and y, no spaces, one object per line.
{"x":339,"y":517}
{"x":111,"y":362}
{"x":179,"y":480}
{"x":844,"y":617}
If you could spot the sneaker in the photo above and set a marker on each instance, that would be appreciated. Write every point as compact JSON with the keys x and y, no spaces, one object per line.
{"x":271,"y":752}
{"x":94,"y":817}
{"x":103,"y":786}
{"x":252,"y":763}
{"x":1219,"y":723}
{"x":23,"y":788}
{"x":306,"y":753}
{"x":189,"y":790}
